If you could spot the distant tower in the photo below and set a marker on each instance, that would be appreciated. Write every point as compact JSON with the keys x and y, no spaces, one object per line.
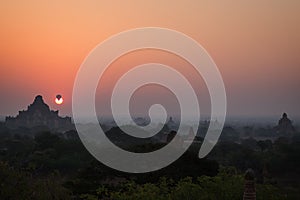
{"x":250,"y":191}
{"x":172,"y":125}
{"x":285,"y":126}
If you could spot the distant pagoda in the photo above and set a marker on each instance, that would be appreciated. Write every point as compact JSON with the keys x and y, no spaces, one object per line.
{"x":172,"y":124}
{"x":39,"y":114}
{"x":285,"y":126}
{"x":249,"y":188}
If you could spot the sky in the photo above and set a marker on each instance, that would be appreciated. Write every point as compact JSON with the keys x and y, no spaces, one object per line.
{"x":255,"y":44}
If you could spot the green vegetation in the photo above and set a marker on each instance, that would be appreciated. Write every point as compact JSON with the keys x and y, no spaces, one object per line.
{"x":226,"y":186}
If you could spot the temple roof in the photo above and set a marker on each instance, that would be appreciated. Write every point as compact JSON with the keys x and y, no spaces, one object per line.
{"x":38,"y":114}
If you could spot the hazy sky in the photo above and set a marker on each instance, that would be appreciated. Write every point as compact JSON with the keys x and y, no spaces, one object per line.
{"x":255,"y":44}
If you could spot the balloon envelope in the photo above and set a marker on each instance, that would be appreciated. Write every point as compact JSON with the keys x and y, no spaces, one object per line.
{"x":58,"y":96}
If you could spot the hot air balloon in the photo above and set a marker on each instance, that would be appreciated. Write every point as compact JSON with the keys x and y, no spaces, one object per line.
{"x":59,"y":100}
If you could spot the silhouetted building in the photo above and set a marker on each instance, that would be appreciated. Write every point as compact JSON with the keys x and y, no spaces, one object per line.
{"x":249,"y":191}
{"x":141,"y":121}
{"x":38,"y":114}
{"x":285,"y":126}
{"x":172,"y":125}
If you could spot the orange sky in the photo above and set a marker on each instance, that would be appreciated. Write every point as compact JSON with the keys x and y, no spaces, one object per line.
{"x":255,"y":44}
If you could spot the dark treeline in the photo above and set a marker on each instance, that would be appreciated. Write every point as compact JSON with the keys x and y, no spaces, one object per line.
{"x":57,"y":166}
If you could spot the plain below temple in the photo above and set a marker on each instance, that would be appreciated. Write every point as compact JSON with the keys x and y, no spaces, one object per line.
{"x":38,"y":114}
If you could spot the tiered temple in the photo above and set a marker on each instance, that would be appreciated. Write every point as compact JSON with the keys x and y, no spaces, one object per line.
{"x":39,"y":114}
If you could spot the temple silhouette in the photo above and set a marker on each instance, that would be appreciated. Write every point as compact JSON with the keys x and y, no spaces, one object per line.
{"x":285,"y":126}
{"x":38,"y":114}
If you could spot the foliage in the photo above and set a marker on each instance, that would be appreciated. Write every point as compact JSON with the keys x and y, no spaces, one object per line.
{"x":227,"y":185}
{"x":31,"y":168}
{"x":19,"y":185}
